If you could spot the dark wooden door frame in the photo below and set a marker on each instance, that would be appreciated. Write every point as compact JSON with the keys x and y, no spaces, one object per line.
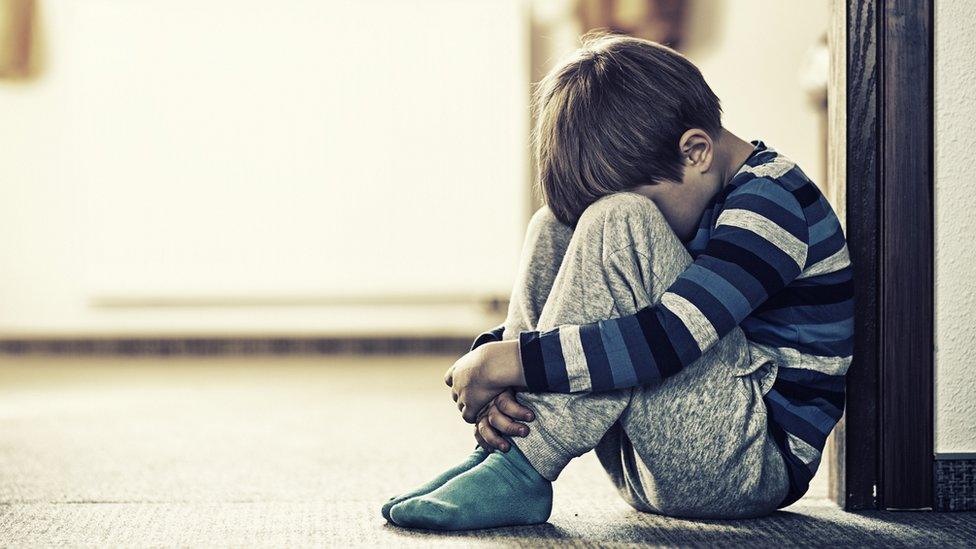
{"x":887,"y":458}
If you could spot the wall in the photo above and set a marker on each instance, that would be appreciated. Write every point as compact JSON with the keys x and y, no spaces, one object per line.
{"x":955,"y":202}
{"x":232,"y":167}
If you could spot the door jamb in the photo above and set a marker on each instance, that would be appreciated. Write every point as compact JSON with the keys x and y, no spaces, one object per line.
{"x":886,"y":457}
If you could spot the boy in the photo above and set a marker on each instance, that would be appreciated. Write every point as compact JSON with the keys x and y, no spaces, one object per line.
{"x":683,"y":307}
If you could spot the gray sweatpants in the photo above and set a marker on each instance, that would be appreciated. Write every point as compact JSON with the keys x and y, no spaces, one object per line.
{"x":695,"y":445}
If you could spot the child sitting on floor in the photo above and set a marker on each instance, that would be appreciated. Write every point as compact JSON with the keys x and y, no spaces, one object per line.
{"x":683,"y":307}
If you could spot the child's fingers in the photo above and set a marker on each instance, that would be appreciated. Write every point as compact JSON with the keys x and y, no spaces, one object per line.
{"x":481,"y":442}
{"x":468,"y":415}
{"x":491,"y":436}
{"x":503,"y":423}
{"x":510,"y":407}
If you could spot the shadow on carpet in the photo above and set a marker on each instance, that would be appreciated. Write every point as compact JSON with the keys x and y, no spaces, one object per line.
{"x":803,"y":525}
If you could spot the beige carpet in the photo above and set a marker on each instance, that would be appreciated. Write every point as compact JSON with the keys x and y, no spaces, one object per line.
{"x":283,"y":452}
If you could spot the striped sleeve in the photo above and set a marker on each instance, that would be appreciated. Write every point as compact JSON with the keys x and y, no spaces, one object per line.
{"x":758,"y":246}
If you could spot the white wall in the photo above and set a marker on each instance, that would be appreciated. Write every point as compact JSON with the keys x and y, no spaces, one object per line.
{"x":955,"y":202}
{"x":233,"y":151}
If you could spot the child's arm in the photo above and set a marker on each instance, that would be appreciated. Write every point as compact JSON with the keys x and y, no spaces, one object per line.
{"x":759,"y":246}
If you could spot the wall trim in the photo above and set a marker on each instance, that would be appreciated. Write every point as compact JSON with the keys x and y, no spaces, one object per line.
{"x":955,"y":455}
{"x":955,"y":482}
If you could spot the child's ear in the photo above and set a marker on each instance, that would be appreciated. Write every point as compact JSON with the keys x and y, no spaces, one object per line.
{"x":697,"y":149}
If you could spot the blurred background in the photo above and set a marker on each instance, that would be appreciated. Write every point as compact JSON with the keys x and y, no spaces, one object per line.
{"x":319,"y":168}
{"x":240,"y":240}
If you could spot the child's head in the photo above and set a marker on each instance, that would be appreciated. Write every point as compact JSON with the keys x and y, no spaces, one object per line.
{"x":610,"y":118}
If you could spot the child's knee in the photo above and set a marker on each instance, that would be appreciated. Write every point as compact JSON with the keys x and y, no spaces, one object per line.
{"x":623,"y":214}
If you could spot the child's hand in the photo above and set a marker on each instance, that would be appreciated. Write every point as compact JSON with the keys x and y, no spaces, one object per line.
{"x":499,"y":418}
{"x":479,"y":376}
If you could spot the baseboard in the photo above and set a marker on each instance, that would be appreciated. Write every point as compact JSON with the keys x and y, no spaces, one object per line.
{"x":955,"y":482}
{"x":237,"y":346}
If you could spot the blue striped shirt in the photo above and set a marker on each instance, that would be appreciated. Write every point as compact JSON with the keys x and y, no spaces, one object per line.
{"x":769,"y":256}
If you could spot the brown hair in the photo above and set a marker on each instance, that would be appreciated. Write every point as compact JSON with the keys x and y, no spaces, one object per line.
{"x":609,"y":118}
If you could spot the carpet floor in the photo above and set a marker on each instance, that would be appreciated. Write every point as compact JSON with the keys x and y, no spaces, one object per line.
{"x":303,"y":451}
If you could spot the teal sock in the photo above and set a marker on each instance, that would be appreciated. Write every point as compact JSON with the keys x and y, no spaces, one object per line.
{"x":503,"y":490}
{"x":473,"y":459}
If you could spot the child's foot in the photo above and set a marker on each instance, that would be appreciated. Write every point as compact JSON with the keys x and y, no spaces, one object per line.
{"x":503,"y":490}
{"x":473,"y":459}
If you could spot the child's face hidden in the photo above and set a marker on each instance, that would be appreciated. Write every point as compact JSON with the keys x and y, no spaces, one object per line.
{"x":683,"y":202}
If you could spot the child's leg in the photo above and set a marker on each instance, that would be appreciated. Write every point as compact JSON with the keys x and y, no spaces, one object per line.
{"x":545,"y":245}
{"x":695,"y":445}
{"x":620,"y":258}
{"x":698,"y":445}
{"x":546,"y":240}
